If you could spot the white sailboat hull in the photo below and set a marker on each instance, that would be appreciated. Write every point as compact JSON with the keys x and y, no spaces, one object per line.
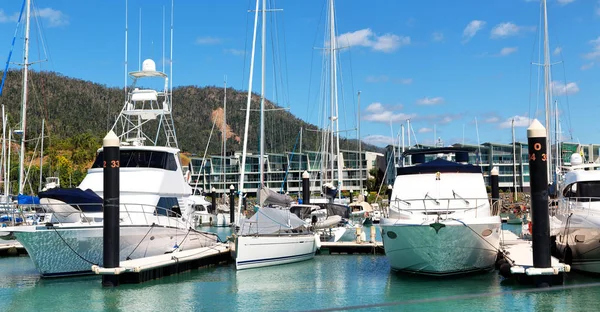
{"x":456,"y":248}
{"x":221,"y":220}
{"x":61,"y":250}
{"x":255,"y":251}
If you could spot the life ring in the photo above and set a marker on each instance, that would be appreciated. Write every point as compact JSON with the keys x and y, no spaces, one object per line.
{"x":529,"y":228}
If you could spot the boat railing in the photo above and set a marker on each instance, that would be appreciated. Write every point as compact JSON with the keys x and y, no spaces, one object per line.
{"x":128,"y":214}
{"x":441,"y":206}
{"x":583,"y":206}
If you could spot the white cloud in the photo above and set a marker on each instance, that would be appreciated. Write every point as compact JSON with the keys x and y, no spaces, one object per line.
{"x":557,"y":51}
{"x":8,"y":18}
{"x":504,"y":30}
{"x":377,"y":79}
{"x":234,"y":51}
{"x":378,"y":139}
{"x":55,"y":18}
{"x":208,"y":40}
{"x":378,"y":112}
{"x":587,"y":66}
{"x":493,"y":119}
{"x":472,"y":28}
{"x":508,"y":50}
{"x":425,"y":130}
{"x":520,"y":121}
{"x":595,"y":53}
{"x":430,"y":101}
{"x":403,"y":81}
{"x":366,"y":38}
{"x":564,"y":2}
{"x":437,"y":36}
{"x":559,"y":88}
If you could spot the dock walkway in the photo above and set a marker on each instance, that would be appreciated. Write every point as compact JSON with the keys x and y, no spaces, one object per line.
{"x":11,"y":248}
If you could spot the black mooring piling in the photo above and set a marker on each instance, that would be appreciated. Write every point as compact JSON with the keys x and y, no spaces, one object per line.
{"x":540,"y":222}
{"x":305,"y":188}
{"x":495,"y":185}
{"x":232,"y":204}
{"x":110,"y":249}
{"x":213,"y":199}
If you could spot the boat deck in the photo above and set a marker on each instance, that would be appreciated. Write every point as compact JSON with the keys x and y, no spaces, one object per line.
{"x":518,"y":253}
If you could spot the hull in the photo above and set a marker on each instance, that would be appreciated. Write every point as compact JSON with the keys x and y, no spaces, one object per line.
{"x":71,"y":250}
{"x":222,"y":220}
{"x":579,"y":243}
{"x":267,"y":250}
{"x":200,"y":219}
{"x":456,"y":248}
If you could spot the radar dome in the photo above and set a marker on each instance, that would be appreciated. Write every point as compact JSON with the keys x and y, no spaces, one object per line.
{"x":148,"y":65}
{"x":576,"y":159}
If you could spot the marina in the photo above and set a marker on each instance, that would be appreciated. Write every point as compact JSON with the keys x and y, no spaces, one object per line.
{"x":287,"y":215}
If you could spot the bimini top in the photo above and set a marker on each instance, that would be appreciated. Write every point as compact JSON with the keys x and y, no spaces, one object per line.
{"x":439,"y":165}
{"x":438,"y":150}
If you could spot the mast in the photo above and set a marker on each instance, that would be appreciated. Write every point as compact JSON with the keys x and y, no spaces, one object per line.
{"x":514,"y":160}
{"x":360,"y":168}
{"x":402,"y":154}
{"x":41,"y":158}
{"x":224,"y":133}
{"x":262,"y":94}
{"x":4,"y":157}
{"x":247,"y":121}
{"x":24,"y":98}
{"x":547,"y":91}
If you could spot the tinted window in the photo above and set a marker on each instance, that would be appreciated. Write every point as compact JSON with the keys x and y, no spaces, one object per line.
{"x":589,"y":189}
{"x":143,"y":159}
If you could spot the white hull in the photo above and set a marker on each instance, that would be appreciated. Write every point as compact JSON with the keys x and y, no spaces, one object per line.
{"x":59,"y":251}
{"x":582,"y":236}
{"x":222,"y":220}
{"x":456,"y":248}
{"x":255,"y":251}
{"x":200,"y":219}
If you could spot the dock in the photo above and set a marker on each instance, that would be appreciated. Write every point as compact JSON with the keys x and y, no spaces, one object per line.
{"x":518,"y":256}
{"x":349,"y":248}
{"x":12,"y":248}
{"x":149,"y":268}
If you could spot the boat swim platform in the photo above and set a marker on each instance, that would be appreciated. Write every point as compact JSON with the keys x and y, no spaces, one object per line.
{"x":12,"y":249}
{"x":349,"y":248}
{"x":518,"y":253}
{"x":140,"y":270}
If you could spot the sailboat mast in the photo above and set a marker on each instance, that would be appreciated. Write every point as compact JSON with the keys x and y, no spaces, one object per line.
{"x":224,"y":134}
{"x":514,"y":160}
{"x":547,"y":91}
{"x":360,"y":167}
{"x":262,"y":92}
{"x":4,"y":156}
{"x":41,"y":157}
{"x":24,"y":98}
{"x":331,"y":86}
{"x":247,"y":121}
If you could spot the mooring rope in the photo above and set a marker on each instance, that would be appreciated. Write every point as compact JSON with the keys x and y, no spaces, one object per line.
{"x":71,"y":248}
{"x":140,"y":242}
{"x":485,"y":240}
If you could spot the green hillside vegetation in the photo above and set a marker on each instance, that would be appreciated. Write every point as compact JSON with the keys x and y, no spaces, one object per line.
{"x":79,"y":113}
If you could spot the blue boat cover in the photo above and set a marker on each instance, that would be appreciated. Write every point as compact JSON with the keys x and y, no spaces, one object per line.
{"x":87,"y":201}
{"x":439,"y":165}
{"x":28,"y":200}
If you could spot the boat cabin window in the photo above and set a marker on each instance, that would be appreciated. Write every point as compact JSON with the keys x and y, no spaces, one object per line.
{"x":168,"y":206}
{"x":589,"y":190}
{"x":143,"y":159}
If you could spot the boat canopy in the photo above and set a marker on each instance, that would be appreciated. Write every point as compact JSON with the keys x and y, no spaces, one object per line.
{"x":269,"y":220}
{"x":439,"y":165}
{"x":268,"y":196}
{"x":87,"y":201}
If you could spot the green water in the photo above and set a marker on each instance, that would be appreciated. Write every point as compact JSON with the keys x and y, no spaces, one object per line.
{"x":326,"y":282}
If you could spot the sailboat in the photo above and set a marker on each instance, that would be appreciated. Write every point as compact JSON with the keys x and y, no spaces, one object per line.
{"x":154,"y":211}
{"x":273,"y":235}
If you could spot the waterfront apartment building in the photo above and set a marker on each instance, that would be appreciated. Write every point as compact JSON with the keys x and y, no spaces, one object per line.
{"x":282,"y":172}
{"x":511,"y":160}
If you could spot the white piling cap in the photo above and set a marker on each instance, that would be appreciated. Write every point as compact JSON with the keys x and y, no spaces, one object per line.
{"x":536,"y":130}
{"x":231,"y":187}
{"x":389,"y":186}
{"x":110,"y":140}
{"x":494,"y":171}
{"x":305,"y":175}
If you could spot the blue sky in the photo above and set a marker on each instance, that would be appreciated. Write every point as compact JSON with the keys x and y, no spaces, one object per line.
{"x":443,"y":64}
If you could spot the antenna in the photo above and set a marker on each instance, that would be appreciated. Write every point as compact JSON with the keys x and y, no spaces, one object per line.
{"x":163,"y":41}
{"x":126,"y":29}
{"x":171,"y":57}
{"x":140,"y":43}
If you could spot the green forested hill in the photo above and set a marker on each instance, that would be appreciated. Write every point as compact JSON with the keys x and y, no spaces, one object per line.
{"x":78,"y":114}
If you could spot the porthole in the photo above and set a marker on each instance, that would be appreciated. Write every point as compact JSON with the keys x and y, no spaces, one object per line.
{"x":391,"y":234}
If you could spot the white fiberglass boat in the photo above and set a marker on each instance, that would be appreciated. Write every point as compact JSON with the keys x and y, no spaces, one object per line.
{"x":440,"y":221}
